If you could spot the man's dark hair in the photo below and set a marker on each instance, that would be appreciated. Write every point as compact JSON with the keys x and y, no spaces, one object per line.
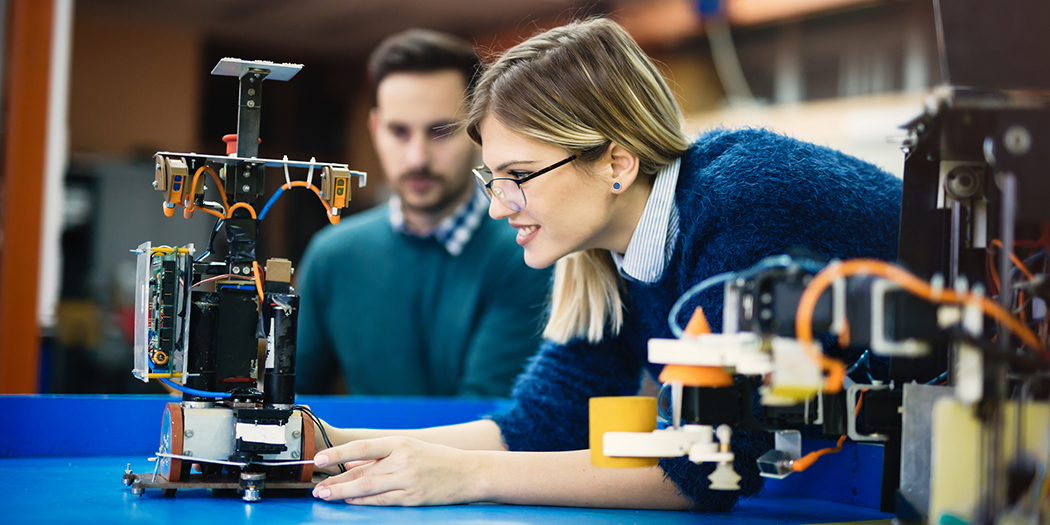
{"x":423,"y":51}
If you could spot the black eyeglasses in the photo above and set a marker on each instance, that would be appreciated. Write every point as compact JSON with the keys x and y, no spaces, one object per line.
{"x":508,"y":190}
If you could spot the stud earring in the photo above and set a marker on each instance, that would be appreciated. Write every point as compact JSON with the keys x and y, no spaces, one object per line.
{"x":616,"y":186}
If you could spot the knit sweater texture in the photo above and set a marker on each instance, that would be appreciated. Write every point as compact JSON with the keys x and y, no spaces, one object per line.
{"x":742,"y":195}
{"x":399,"y":315}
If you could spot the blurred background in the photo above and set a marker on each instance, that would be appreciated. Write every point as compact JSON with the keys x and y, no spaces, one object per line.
{"x":93,"y":88}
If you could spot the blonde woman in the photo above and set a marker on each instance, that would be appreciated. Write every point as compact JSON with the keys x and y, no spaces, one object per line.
{"x":585,"y":157}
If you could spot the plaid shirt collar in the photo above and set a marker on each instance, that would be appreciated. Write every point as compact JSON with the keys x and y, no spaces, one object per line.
{"x":454,"y":231}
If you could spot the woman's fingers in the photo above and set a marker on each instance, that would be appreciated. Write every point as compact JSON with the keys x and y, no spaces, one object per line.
{"x":363,"y":486}
{"x":365,"y":449}
{"x":359,"y":463}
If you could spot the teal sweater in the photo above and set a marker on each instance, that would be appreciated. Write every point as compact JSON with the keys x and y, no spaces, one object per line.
{"x":398,"y":315}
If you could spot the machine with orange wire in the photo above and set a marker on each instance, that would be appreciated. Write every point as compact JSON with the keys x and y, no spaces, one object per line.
{"x":947,"y":367}
{"x":201,"y":324}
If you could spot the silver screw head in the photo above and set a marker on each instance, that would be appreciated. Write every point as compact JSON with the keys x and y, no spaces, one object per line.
{"x":188,"y":433}
{"x":245,"y":188}
{"x":155,"y":184}
{"x":187,"y":453}
{"x":251,"y":103}
{"x":251,"y":91}
{"x":295,"y":434}
{"x":236,"y":270}
{"x":295,"y":454}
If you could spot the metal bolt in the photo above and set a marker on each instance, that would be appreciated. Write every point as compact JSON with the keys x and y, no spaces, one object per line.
{"x":295,"y":434}
{"x":251,"y":103}
{"x":138,"y":490}
{"x":766,"y":315}
{"x":155,"y":185}
{"x":236,"y":270}
{"x":251,"y":91}
{"x":188,"y":433}
{"x":187,"y":453}
{"x":295,"y":454}
{"x":1017,"y":140}
{"x":251,"y":495}
{"x":245,"y":188}
{"x":767,"y":298}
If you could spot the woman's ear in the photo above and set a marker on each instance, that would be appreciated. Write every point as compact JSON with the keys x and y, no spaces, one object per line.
{"x":624,"y":166}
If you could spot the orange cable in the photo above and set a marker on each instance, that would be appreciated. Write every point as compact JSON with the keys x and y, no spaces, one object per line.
{"x":911,"y":283}
{"x":860,"y":401}
{"x":236,"y":205}
{"x":1016,"y":260}
{"x":211,"y":211}
{"x":258,"y":280}
{"x":808,"y":460}
{"x":334,"y":219}
{"x":217,"y":277}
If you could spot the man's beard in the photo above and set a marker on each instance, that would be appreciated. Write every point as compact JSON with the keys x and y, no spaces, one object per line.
{"x":445,"y":195}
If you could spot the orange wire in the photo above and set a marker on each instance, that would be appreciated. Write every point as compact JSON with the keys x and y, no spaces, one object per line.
{"x":218,"y":182}
{"x":808,"y":460}
{"x":216,"y":278}
{"x":334,"y":219}
{"x":860,"y":401}
{"x":236,"y":205}
{"x":211,"y":211}
{"x":188,"y":212}
{"x":990,"y":264}
{"x":258,"y":279}
{"x":807,"y":304}
{"x":1016,"y":260}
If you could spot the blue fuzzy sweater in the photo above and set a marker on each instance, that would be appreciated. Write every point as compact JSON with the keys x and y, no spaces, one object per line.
{"x":742,"y":195}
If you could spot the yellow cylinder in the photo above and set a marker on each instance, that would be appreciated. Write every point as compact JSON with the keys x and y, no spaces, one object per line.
{"x":620,"y":414}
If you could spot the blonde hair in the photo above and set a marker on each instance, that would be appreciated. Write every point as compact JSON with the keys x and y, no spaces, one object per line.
{"x":578,"y":87}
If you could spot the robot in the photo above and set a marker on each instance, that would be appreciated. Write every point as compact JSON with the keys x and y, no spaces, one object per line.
{"x":199,"y":324}
{"x":961,"y":318}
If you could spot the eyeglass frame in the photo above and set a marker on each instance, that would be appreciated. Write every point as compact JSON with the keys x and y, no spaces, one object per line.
{"x":488,"y":184}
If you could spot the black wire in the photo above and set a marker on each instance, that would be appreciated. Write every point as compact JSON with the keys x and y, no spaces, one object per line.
{"x":324,"y":435}
{"x":211,"y":240}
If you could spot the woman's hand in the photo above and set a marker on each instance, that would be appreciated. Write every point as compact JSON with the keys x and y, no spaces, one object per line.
{"x":400,"y":471}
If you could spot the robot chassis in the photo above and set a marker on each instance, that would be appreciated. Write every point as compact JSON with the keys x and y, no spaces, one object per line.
{"x":199,"y":324}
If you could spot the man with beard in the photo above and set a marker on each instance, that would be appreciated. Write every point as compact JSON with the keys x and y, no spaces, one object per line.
{"x":424,"y":295}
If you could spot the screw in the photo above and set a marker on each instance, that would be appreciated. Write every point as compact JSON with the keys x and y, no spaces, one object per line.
{"x":138,"y":490}
{"x":236,"y":270}
{"x":187,"y":453}
{"x":295,"y":434}
{"x":155,"y":184}
{"x":245,"y":188}
{"x":251,"y":103}
{"x":188,"y":433}
{"x":251,"y":91}
{"x":295,"y":454}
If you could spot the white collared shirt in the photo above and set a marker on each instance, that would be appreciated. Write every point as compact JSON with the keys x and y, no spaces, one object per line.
{"x":653,"y":240}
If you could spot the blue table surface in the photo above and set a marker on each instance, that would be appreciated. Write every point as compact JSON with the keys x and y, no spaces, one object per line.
{"x":62,"y":458}
{"x":88,"y":490}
